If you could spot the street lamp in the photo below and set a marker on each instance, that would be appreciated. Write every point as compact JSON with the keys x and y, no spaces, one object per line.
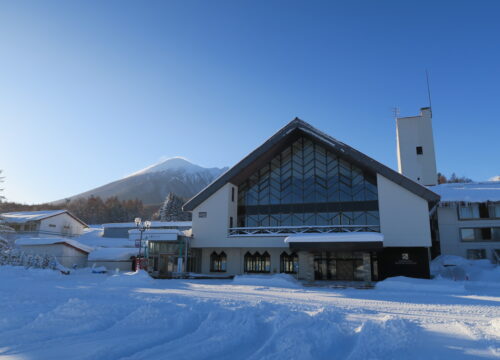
{"x":141,"y":226}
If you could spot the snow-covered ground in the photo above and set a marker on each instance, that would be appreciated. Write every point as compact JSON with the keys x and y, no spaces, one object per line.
{"x":46,"y":315}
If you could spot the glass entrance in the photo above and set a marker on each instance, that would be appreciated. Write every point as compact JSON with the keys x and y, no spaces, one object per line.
{"x":342,"y":266}
{"x":167,"y":264}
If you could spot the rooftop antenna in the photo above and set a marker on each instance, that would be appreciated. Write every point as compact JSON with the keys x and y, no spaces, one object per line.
{"x":395,"y":112}
{"x":428,"y":90}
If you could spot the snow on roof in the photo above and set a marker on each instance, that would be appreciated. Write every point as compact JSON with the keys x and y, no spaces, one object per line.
{"x":93,"y":237}
{"x":25,"y":216}
{"x":156,"y":231}
{"x":153,"y":224}
{"x":336,"y":237}
{"x":53,"y":241}
{"x":468,"y":192}
{"x":113,"y":254}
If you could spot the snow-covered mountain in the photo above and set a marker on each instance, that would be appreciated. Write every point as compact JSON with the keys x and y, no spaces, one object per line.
{"x":152,"y":184}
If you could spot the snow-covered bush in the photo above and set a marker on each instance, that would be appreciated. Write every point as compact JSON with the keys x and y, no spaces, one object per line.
{"x":457,"y":268}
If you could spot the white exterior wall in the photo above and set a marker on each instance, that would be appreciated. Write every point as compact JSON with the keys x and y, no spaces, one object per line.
{"x":65,"y":254}
{"x":412,"y":132}
{"x":404,"y":216}
{"x":213,"y":229}
{"x":449,"y":233}
{"x":61,"y":220}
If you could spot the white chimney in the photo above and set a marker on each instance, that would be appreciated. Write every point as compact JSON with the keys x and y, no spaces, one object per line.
{"x":416,"y":155}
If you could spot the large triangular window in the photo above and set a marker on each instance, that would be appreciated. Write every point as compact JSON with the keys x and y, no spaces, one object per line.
{"x":308,"y":185}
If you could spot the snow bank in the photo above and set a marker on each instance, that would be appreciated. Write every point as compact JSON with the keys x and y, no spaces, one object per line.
{"x":276,"y":280}
{"x":405,"y":284}
{"x":457,"y":268}
{"x":132,"y":278}
{"x":389,"y":338}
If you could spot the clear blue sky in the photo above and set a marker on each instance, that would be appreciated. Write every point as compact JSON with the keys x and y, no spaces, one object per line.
{"x":91,"y":91}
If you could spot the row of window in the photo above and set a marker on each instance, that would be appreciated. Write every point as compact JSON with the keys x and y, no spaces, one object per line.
{"x":256,"y":262}
{"x":479,"y":211}
{"x":25,"y":227}
{"x":480,"y":234}
{"x":311,"y":219}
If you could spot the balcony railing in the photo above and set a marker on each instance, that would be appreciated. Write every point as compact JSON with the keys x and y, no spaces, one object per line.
{"x":285,"y":230}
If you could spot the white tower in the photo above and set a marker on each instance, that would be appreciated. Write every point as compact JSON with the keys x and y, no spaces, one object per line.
{"x":416,"y":156}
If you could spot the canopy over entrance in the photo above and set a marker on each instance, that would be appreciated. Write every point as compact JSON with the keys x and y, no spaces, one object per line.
{"x":342,"y":241}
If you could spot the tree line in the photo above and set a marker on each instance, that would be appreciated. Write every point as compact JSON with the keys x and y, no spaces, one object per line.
{"x":94,"y":210}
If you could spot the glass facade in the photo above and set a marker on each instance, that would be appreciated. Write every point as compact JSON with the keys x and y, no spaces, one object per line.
{"x":308,"y":185}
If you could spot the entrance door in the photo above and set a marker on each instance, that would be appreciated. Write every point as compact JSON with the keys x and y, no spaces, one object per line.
{"x":167,"y":264}
{"x":338,"y":266}
{"x":345,"y":270}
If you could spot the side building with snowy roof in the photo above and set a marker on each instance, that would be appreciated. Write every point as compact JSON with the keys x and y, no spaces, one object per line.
{"x":467,"y":220}
{"x":44,"y":223}
{"x":68,"y":252}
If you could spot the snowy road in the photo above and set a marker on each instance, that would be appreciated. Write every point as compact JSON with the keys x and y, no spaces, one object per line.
{"x":45,"y":315}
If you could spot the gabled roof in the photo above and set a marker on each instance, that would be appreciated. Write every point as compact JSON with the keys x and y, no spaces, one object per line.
{"x":343,"y":150}
{"x":21,"y":217}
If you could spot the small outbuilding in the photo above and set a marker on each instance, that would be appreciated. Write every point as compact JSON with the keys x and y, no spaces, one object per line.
{"x":44,"y":223}
{"x":69,"y":253}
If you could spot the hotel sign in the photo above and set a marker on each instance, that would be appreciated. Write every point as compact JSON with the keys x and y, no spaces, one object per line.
{"x":405,"y":260}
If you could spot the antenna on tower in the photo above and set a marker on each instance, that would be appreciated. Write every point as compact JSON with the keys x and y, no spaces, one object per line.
{"x":395,"y":112}
{"x":428,"y":90}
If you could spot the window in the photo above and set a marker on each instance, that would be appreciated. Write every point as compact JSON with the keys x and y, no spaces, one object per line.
{"x":52,"y":225}
{"x":480,"y":234}
{"x":289,"y":264}
{"x":232,"y":194}
{"x":202,"y":214}
{"x":476,"y":254}
{"x":218,"y":262}
{"x":467,"y":234}
{"x":257,"y":263}
{"x":420,"y":150}
{"x":230,"y":221}
{"x":494,"y":210}
{"x":485,"y":233}
{"x":483,"y":211}
{"x":479,"y":211}
{"x":468,"y":211}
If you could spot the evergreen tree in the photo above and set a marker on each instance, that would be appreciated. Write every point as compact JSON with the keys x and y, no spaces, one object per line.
{"x":171,"y":210}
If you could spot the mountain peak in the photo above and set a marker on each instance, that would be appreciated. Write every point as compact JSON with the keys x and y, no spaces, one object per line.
{"x":174,"y":163}
{"x":152,"y":184}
